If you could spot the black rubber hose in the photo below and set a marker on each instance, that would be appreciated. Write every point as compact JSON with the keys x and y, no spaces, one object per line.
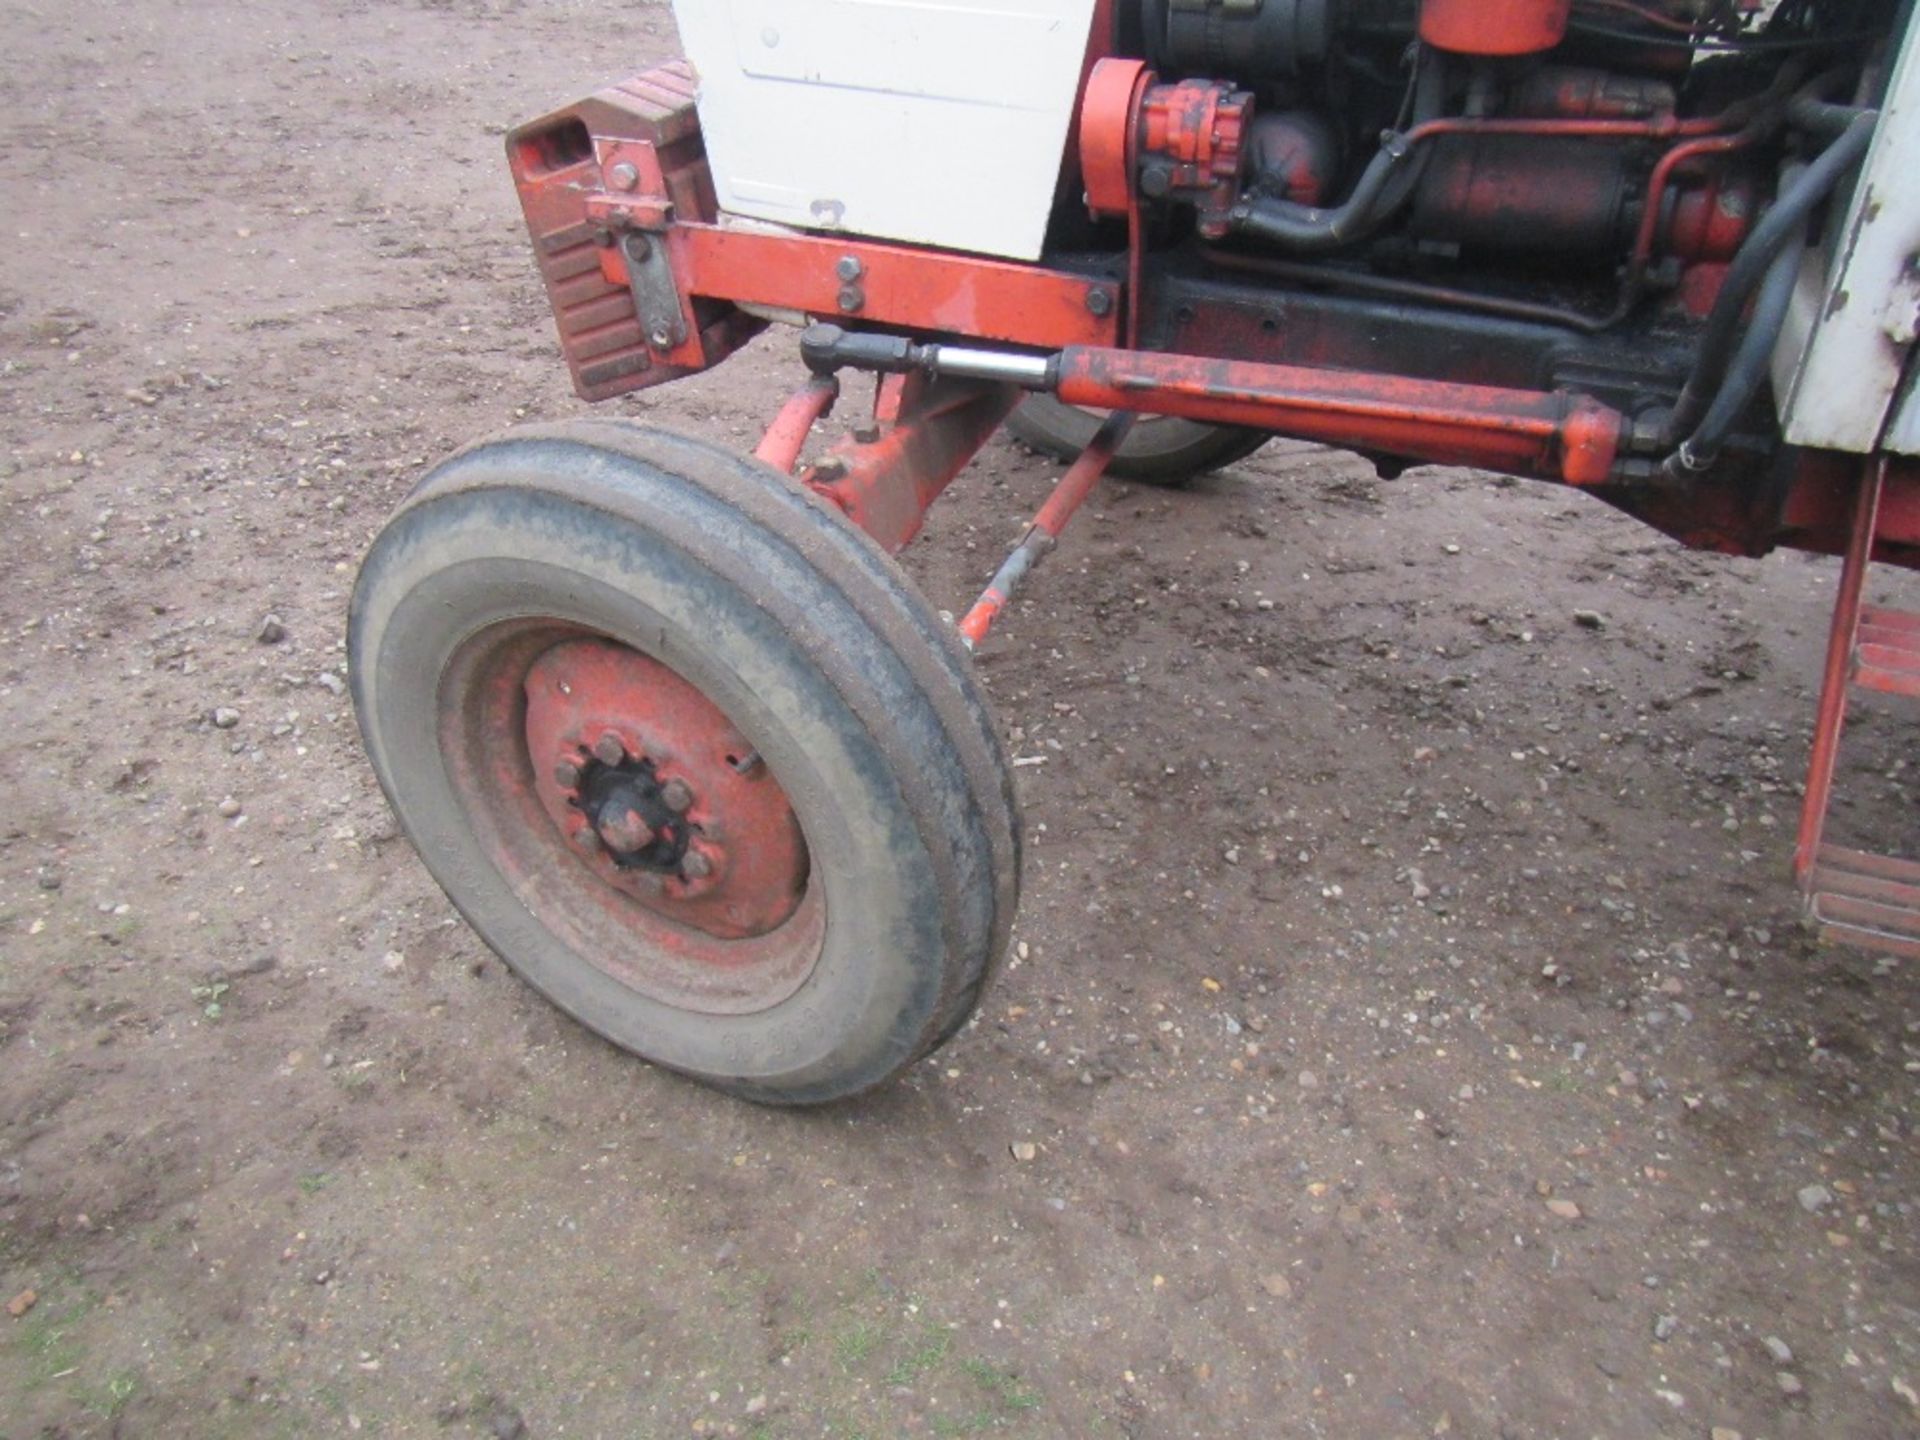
{"x":1821,"y":117}
{"x":1747,"y":371}
{"x":1383,"y":188}
{"x":1781,"y":226}
{"x":1311,"y":230}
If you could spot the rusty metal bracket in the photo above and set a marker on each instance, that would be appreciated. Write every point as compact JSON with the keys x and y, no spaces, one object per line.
{"x":656,"y":294}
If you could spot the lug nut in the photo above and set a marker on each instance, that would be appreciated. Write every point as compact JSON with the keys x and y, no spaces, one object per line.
{"x":678,"y":796}
{"x":623,"y":830}
{"x":696,"y":866}
{"x":609,"y":750}
{"x":566,"y":774}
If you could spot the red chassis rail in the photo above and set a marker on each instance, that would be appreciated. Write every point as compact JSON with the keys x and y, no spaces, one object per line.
{"x":647,"y":284}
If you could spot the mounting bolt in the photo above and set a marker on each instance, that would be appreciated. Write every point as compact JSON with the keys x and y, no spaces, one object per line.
{"x":1099,"y":301}
{"x":639,"y":247}
{"x":623,"y":830}
{"x":678,"y":796}
{"x":852,"y":298}
{"x":849,"y":269}
{"x":623,"y":176}
{"x":661,"y":338}
{"x":566,"y":774}
{"x":609,"y":749}
{"x":695,"y":866}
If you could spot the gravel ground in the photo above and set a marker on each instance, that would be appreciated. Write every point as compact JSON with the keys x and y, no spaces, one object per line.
{"x":1410,"y":1033}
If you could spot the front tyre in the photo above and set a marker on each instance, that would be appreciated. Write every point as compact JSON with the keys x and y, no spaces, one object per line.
{"x":691,"y":754}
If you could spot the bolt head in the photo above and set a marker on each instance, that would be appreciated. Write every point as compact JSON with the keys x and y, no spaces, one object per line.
{"x":623,"y":176}
{"x":609,"y":749}
{"x":661,"y":338}
{"x":678,"y":796}
{"x":623,"y":830}
{"x":566,"y":774}
{"x":1099,"y":301}
{"x":852,"y":298}
{"x":695,"y":866}
{"x":849,"y":269}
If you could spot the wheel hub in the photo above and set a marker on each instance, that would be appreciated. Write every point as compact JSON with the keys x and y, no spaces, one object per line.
{"x":658,"y":793}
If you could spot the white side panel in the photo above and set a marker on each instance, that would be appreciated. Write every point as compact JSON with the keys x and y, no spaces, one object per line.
{"x":940,"y":122}
{"x":1838,"y":368}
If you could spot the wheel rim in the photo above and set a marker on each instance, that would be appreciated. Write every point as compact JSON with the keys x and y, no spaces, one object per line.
{"x":634,"y":821}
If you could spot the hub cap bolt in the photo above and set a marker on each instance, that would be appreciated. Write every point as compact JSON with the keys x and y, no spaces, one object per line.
{"x":609,"y":750}
{"x":566,"y":774}
{"x":623,"y":830}
{"x":696,"y":866}
{"x":678,"y":796}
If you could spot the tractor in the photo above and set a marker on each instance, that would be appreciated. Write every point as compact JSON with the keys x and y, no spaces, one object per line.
{"x":674,"y":731}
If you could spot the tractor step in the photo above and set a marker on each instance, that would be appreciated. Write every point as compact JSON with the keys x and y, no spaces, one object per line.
{"x":1872,"y":901}
{"x":1887,"y":651}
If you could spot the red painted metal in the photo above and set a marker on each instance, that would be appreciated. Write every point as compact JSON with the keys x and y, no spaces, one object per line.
{"x":1108,"y":133}
{"x":1191,"y":139}
{"x":886,"y":484}
{"x":1889,"y":651}
{"x":579,"y":693}
{"x":1494,"y":27}
{"x":1868,"y":900}
{"x":925,"y":290}
{"x":1061,"y":506}
{"x":787,"y":436}
{"x":643,"y":131}
{"x":1837,"y":677}
{"x":1552,"y":436}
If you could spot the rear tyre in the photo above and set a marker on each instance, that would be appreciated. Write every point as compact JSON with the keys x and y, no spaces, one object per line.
{"x":1159,"y":450}
{"x":691,"y":754}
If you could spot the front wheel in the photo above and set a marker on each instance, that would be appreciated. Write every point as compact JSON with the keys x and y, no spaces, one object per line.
{"x":690,"y":754}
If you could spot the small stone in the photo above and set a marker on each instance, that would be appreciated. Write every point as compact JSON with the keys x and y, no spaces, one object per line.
{"x":1789,"y":1384}
{"x":49,"y":880}
{"x":507,"y":1424}
{"x":1725,"y":1432}
{"x":225,"y":718}
{"x":1781,"y":1351}
{"x":1664,"y":1327}
{"x":1023,"y":1150}
{"x":272,"y":630}
{"x":395,"y":961}
{"x":331,"y":683}
{"x":230,"y":807}
{"x":1590,"y":619}
{"x":23,"y":1302}
{"x":1814,"y":1198}
{"x":1277,"y":1285}
{"x":1565,"y":1209}
{"x":757,"y":1404}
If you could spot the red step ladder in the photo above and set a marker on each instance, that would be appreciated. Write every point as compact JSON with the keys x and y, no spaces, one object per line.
{"x":1872,"y":901}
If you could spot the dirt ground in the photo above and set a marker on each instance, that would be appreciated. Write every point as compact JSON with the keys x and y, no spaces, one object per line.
{"x":1412,"y":1028}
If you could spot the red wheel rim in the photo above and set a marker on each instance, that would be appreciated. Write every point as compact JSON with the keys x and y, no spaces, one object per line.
{"x":638,"y":825}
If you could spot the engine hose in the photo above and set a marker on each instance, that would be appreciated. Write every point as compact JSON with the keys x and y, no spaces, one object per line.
{"x":1780,"y":227}
{"x":1384,"y":186}
{"x":1747,"y":371}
